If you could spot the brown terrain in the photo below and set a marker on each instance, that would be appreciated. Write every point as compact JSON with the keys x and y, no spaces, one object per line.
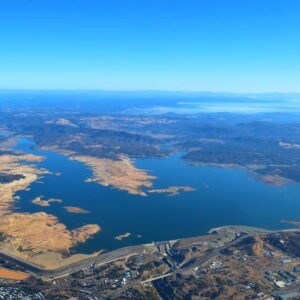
{"x":275,"y":180}
{"x":120,"y":174}
{"x":11,"y":165}
{"x":272,"y":179}
{"x":40,"y":232}
{"x":123,"y":236}
{"x":8,"y":143}
{"x":38,"y":237}
{"x":173,"y":190}
{"x":75,"y":210}
{"x":39,"y":201}
{"x":12,"y":275}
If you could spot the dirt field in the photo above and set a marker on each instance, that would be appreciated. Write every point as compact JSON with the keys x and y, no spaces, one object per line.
{"x":8,"y":274}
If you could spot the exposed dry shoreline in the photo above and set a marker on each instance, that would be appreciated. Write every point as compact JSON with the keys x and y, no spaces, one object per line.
{"x":275,"y":180}
{"x":11,"y":164}
{"x":75,"y":210}
{"x":173,"y":190}
{"x":39,"y":201}
{"x":40,"y":232}
{"x":40,"y":237}
{"x":123,"y":236}
{"x":120,"y":174}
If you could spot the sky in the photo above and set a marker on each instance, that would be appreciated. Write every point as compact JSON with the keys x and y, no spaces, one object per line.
{"x":186,"y":45}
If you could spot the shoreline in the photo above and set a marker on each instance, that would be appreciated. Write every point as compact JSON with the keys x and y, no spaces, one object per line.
{"x":102,"y":258}
{"x":86,"y":255}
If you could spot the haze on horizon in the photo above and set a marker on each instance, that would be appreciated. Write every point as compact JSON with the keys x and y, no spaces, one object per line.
{"x":180,"y":45}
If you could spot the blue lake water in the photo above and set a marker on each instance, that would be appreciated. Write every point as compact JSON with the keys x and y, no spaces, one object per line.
{"x":223,"y":197}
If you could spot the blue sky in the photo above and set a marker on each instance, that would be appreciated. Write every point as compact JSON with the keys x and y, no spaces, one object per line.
{"x":200,"y":45}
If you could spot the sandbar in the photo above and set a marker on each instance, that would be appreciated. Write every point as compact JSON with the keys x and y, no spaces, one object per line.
{"x":39,"y":201}
{"x":75,"y":210}
{"x":173,"y":190}
{"x":123,"y":236}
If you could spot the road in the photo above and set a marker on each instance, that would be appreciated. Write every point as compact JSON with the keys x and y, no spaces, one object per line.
{"x":189,"y":265}
{"x":156,"y":278}
{"x":114,"y":255}
{"x":209,"y":255}
{"x":74,"y":267}
{"x":99,"y":260}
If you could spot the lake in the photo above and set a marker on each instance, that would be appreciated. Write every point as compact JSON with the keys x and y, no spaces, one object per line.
{"x":223,"y":197}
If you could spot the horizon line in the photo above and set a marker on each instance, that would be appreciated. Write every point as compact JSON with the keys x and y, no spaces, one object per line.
{"x":142,"y":91}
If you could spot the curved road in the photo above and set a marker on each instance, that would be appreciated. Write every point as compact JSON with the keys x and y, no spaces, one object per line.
{"x":111,"y":256}
{"x":74,"y":267}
